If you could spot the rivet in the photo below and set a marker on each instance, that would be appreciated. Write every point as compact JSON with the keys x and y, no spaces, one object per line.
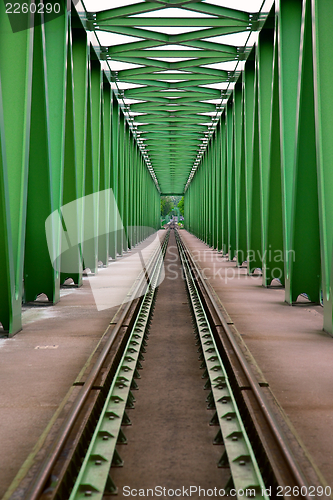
{"x":234,"y":438}
{"x":105,"y":438}
{"x":229,"y":418}
{"x":242,"y":462}
{"x":98,"y":462}
{"x":111,"y":417}
{"x":88,"y":493}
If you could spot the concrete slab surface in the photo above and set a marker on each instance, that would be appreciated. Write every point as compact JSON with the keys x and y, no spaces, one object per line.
{"x":39,"y":365}
{"x":287,"y":342}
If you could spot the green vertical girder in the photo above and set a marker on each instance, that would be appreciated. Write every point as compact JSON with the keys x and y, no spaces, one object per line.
{"x":260,"y":191}
{"x":248,"y":97}
{"x":231,"y":179}
{"x":114,"y":173}
{"x":323,"y":73}
{"x":273,"y":261}
{"x":90,"y":248}
{"x":276,"y":159}
{"x":15,"y":82}
{"x":75,"y":145}
{"x":289,"y":32}
{"x":305,"y":208}
{"x":58,"y":57}
{"x":264,"y":54}
{"x":56,"y":147}
{"x":104,"y":180}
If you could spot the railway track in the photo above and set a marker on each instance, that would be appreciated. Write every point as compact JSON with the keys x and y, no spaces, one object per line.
{"x":281,"y":473}
{"x":254,"y":449}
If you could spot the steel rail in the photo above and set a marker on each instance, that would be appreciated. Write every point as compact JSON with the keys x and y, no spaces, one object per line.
{"x":94,"y":472}
{"x":256,"y":389}
{"x":37,"y":487}
{"x":243,"y":464}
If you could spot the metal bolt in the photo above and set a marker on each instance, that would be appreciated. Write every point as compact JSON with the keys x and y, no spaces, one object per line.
{"x":242,"y":462}
{"x":111,"y":417}
{"x":98,"y":462}
{"x":229,"y":418}
{"x":105,"y":438}
{"x":234,"y":438}
{"x":88,"y":493}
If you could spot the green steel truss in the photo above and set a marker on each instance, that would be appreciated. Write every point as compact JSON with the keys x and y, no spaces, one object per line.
{"x":63,"y":136}
{"x":263,"y":192}
{"x":180,"y":95}
{"x":252,"y":149}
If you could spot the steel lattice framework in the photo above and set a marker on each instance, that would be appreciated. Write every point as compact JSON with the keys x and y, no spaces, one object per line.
{"x":244,"y":130}
{"x":179,"y":81}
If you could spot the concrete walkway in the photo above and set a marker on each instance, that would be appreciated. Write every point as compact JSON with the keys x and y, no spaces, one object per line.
{"x":40,"y":364}
{"x":289,"y":345}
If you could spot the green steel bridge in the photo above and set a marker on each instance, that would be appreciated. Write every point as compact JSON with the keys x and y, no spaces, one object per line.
{"x":143,"y":98}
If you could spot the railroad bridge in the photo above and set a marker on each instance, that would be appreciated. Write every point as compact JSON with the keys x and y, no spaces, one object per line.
{"x":190,"y":358}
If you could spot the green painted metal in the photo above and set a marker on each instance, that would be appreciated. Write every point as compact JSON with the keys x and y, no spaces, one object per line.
{"x":264,"y":61}
{"x":58,"y":70}
{"x":6,"y":262}
{"x":218,"y":187}
{"x":239,"y":171}
{"x":254,"y":160}
{"x":273,"y":261}
{"x":15,"y":133}
{"x":114,"y":173}
{"x":39,"y":274}
{"x":75,"y":146}
{"x":89,"y":243}
{"x":105,"y":174}
{"x":174,"y":91}
{"x":241,"y":214}
{"x":305,"y":209}
{"x":249,"y":102}
{"x":120,"y":180}
{"x":61,"y":144}
{"x":322,"y":51}
{"x":275,"y":158}
{"x":289,"y":32}
{"x":231,"y":179}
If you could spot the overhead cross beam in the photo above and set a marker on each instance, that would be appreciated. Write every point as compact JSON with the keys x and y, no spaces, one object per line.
{"x":176,"y":63}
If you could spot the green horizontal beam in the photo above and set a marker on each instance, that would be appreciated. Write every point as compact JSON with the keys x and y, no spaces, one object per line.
{"x":158,"y":77}
{"x":165,"y":21}
{"x":217,"y":51}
